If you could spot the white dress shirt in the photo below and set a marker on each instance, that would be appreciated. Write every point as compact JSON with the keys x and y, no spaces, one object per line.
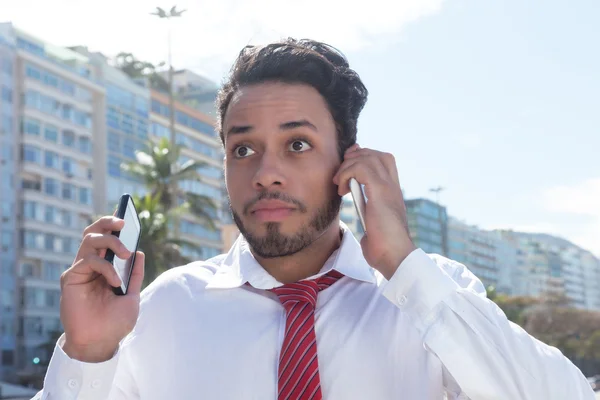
{"x":430,"y":330}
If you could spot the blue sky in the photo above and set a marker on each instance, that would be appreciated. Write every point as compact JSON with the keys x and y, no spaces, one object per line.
{"x":496,"y":101}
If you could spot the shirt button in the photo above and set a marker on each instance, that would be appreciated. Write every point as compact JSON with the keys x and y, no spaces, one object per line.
{"x":72,"y":383}
{"x":401,"y":300}
{"x":96,"y":384}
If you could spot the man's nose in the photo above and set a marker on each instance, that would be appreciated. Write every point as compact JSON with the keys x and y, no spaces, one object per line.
{"x":269,"y":172}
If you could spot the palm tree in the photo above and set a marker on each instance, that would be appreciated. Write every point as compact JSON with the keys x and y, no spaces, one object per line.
{"x":162,"y":252}
{"x":160,"y":171}
{"x":135,"y":69}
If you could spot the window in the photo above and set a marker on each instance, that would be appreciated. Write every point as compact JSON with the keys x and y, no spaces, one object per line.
{"x":85,"y":145}
{"x":7,"y":125}
{"x":67,"y":87}
{"x":6,"y":239}
{"x":31,"y":154}
{"x":8,"y":358}
{"x":160,"y":108}
{"x":51,"y":187}
{"x":114,"y":141}
{"x":69,"y":245}
{"x":7,"y":66}
{"x":50,"y":80}
{"x":52,"y":298}
{"x":119,"y":97}
{"x":67,"y":218}
{"x":142,"y":129}
{"x":141,"y":106}
{"x":30,"y":270}
{"x":51,"y":160}
{"x":6,"y":94}
{"x":50,"y":214}
{"x":68,"y":138}
{"x":68,"y":192}
{"x":31,"y":126}
{"x":28,"y":184}
{"x":129,"y":148}
{"x":29,"y":239}
{"x":127,"y":124}
{"x":49,"y":241}
{"x":84,"y":196}
{"x":192,"y":228}
{"x":52,"y":271}
{"x":114,"y":166}
{"x":67,"y":112}
{"x":82,"y":118}
{"x":211,"y":172}
{"x":68,"y":166}
{"x":112,"y":118}
{"x":51,"y":133}
{"x":30,"y":210}
{"x":160,"y":130}
{"x":195,"y":123}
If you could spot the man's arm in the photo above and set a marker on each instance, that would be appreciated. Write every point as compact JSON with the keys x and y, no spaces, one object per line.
{"x":483,"y":353}
{"x":68,"y":379}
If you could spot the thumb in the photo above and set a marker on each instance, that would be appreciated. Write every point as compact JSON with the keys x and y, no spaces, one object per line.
{"x":137,"y":275}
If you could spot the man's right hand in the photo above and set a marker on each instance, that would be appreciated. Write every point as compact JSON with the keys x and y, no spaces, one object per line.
{"x":95,"y":319}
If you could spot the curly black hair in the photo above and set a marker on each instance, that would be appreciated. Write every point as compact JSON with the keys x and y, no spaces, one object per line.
{"x":301,"y":61}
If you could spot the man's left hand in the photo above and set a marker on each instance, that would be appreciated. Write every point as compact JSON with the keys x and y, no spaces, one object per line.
{"x":387,"y":242}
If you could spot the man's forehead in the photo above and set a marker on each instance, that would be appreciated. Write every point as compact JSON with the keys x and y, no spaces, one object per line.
{"x":275,"y":95}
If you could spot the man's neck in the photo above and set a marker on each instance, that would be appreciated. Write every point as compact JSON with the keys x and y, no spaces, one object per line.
{"x":307,"y":262}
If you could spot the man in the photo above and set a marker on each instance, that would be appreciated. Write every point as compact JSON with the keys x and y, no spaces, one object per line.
{"x":297,"y":309}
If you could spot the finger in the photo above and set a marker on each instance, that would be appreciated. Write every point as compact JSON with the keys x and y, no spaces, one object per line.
{"x":352,"y":148}
{"x":94,"y":243}
{"x":365,"y":159}
{"x":362,"y":172}
{"x":357,"y":152}
{"x":93,"y":263}
{"x":137,"y":275}
{"x":104,"y":224}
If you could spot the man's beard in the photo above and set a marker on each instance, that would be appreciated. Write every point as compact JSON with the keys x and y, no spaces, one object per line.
{"x":276,"y":244}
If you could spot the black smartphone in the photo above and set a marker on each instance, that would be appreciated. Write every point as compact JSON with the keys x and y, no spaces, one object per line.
{"x":130,"y":237}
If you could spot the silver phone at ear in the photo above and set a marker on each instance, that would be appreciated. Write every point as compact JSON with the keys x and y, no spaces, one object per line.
{"x":359,"y":201}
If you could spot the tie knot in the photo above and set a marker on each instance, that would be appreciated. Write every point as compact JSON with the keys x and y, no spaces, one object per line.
{"x":305,"y":291}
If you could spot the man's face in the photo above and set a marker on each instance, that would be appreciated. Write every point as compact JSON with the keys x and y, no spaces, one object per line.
{"x":280,"y":158}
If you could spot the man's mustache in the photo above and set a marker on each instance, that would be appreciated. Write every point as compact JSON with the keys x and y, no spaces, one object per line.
{"x":274,"y":196}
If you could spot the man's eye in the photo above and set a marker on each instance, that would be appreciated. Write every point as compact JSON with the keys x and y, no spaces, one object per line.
{"x":243,"y":151}
{"x":298,"y":146}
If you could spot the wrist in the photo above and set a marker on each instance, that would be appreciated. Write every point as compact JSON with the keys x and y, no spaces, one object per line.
{"x":90,"y":353}
{"x":389,"y":268}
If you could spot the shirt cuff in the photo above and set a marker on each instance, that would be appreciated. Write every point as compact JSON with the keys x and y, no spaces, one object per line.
{"x":68,"y":378}
{"x":418,"y":286}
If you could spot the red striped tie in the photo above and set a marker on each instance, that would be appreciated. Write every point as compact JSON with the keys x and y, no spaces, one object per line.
{"x":298,"y":362}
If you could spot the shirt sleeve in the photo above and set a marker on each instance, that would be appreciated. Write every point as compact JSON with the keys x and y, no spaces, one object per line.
{"x":485,"y":356}
{"x":69,"y":379}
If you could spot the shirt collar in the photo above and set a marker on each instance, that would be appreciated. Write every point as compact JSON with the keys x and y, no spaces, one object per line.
{"x":240,"y":266}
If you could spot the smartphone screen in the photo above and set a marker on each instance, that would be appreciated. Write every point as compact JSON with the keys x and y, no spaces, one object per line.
{"x":129,"y":236}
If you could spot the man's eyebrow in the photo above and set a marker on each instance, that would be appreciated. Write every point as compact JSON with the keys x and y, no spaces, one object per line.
{"x":240,"y":129}
{"x":297,"y":124}
{"x":284,"y":127}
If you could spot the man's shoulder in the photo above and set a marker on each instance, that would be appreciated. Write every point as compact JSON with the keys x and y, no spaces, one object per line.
{"x":193,"y":276}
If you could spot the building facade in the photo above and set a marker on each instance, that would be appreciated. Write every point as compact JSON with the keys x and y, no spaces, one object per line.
{"x":196,"y":134}
{"x":55,"y":98}
{"x":68,"y":120}
{"x":477,"y":249}
{"x":428,"y":225}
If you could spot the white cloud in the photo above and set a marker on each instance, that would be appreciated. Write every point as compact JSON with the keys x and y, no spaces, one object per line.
{"x":211,"y":34}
